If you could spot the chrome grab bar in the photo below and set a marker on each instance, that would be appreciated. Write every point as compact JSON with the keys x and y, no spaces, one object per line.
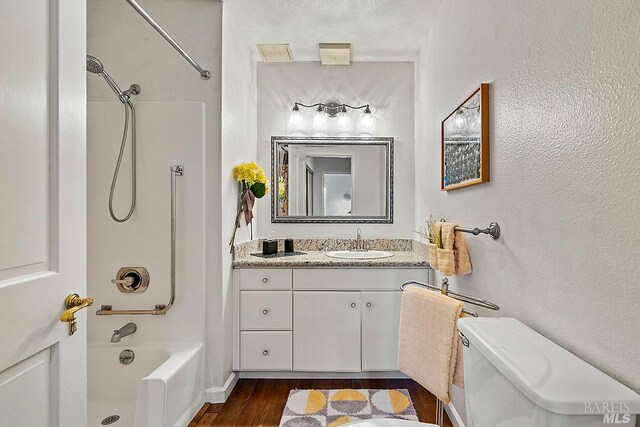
{"x":160,"y":309}
{"x":205,"y":74}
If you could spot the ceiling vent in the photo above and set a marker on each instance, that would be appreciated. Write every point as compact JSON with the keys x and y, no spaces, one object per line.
{"x":335,"y":53}
{"x":275,"y":52}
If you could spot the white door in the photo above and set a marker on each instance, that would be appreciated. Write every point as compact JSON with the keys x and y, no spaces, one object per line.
{"x":326,"y":332}
{"x":380,"y":325}
{"x":42,"y":213}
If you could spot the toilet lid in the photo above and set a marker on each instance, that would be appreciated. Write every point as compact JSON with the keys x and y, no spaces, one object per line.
{"x":389,"y":422}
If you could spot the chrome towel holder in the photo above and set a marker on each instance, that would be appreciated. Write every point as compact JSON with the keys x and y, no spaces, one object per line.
{"x":444,"y":289}
{"x":492,"y":230}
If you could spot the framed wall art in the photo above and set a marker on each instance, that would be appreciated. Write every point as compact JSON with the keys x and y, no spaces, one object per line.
{"x":465,"y":142}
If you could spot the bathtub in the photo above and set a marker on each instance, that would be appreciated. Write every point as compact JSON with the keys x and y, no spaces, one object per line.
{"x":162,"y":387}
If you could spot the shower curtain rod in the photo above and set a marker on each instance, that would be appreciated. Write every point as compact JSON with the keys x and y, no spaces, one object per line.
{"x":205,"y":74}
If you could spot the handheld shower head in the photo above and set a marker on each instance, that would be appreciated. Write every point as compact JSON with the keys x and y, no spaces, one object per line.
{"x":94,"y":65}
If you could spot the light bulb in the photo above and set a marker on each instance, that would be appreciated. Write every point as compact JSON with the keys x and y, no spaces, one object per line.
{"x":367,"y":123}
{"x":344,"y":121}
{"x":319,"y":122}
{"x":296,"y":122}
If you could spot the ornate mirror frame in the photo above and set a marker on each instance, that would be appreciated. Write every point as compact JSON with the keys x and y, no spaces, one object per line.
{"x":386,"y":142}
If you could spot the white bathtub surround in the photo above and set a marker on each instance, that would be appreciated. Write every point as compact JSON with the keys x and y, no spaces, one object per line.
{"x":133,"y":51}
{"x":169,"y":379}
{"x":162,"y":387}
{"x":168,"y":133}
{"x":565,"y":165}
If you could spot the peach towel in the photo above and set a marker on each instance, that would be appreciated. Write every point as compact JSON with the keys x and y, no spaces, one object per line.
{"x":428,"y":346}
{"x":453,"y":258}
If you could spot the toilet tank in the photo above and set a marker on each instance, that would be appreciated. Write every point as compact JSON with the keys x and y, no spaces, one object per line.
{"x":516,"y":377}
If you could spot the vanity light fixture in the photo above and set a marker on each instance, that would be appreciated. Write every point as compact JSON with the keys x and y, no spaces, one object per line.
{"x":344,"y":121}
{"x":367,"y":123}
{"x":319,"y":121}
{"x":296,"y":121}
{"x":331,"y":109}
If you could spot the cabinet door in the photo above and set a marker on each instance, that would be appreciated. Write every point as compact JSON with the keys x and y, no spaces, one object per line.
{"x":326,"y":331}
{"x":380,"y":325}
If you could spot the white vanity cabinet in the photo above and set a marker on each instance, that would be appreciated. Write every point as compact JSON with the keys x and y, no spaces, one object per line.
{"x":318,"y":320}
{"x":327,"y":331}
{"x":380,"y":326}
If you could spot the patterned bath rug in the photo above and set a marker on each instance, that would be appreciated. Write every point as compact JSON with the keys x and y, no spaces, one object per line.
{"x":332,"y":408}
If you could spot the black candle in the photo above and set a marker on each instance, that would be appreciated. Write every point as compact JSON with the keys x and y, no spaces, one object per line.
{"x":288,"y":245}
{"x":269,"y":247}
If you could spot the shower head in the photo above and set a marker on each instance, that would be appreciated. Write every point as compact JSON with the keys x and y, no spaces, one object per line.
{"x":94,"y":65}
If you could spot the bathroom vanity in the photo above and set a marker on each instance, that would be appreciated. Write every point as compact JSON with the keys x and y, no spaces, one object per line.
{"x":315,"y":314}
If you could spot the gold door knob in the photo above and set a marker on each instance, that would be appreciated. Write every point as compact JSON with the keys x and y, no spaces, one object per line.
{"x":73,"y":302}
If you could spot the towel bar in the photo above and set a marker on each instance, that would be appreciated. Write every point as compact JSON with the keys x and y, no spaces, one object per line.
{"x":492,"y":230}
{"x":444,"y":289}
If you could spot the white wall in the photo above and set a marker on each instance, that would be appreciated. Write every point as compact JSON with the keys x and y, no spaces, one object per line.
{"x":565,"y":164}
{"x":238,"y":146}
{"x":387,"y":86}
{"x":132,"y":51}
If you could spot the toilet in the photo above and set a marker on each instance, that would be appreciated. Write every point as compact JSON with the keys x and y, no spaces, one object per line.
{"x":516,"y":377}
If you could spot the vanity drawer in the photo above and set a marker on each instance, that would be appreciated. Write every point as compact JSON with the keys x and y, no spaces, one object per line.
{"x":355,"y":279}
{"x":265,"y":351}
{"x":266,"y":279}
{"x":265,"y":310}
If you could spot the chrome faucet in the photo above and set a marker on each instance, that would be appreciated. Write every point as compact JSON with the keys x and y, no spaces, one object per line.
{"x":360,"y":245}
{"x":128,"y":329}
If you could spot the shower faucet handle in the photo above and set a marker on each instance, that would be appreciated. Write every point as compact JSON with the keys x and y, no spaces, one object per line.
{"x":127,"y":281}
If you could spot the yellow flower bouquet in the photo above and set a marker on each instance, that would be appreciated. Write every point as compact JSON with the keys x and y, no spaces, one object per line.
{"x":254,"y":186}
{"x":252,"y":177}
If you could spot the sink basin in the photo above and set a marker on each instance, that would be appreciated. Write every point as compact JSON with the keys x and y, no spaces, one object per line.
{"x":359,"y":255}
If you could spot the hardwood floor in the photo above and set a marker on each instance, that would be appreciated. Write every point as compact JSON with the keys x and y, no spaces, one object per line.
{"x":261,"y":402}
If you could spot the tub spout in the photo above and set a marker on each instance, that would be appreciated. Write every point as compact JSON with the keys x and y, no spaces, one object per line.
{"x":126,"y":330}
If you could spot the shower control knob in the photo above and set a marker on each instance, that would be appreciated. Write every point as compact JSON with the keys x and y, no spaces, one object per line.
{"x":265,"y":352}
{"x":368,"y":305}
{"x":265,"y":280}
{"x":265,"y":311}
{"x":353,"y":305}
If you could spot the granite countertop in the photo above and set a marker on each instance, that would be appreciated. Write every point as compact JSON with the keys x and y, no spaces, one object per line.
{"x":406,"y":253}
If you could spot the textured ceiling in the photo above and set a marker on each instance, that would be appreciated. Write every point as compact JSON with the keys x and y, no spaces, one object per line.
{"x":379,"y":30}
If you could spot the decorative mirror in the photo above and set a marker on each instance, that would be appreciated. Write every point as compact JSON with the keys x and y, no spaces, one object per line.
{"x":332,"y":179}
{"x":465,"y":142}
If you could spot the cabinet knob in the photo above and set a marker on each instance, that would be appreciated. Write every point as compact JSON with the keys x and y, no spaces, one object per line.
{"x":265,"y":280}
{"x":353,"y":305}
{"x":265,"y":352}
{"x":368,"y":305}
{"x":265,"y":311}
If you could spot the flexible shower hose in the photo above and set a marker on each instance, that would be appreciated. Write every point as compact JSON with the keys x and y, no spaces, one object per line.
{"x":127,"y":105}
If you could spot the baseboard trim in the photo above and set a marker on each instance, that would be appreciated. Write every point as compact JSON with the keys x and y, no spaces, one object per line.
{"x":454,"y":416}
{"x":221,"y":394}
{"x":323,"y":375}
